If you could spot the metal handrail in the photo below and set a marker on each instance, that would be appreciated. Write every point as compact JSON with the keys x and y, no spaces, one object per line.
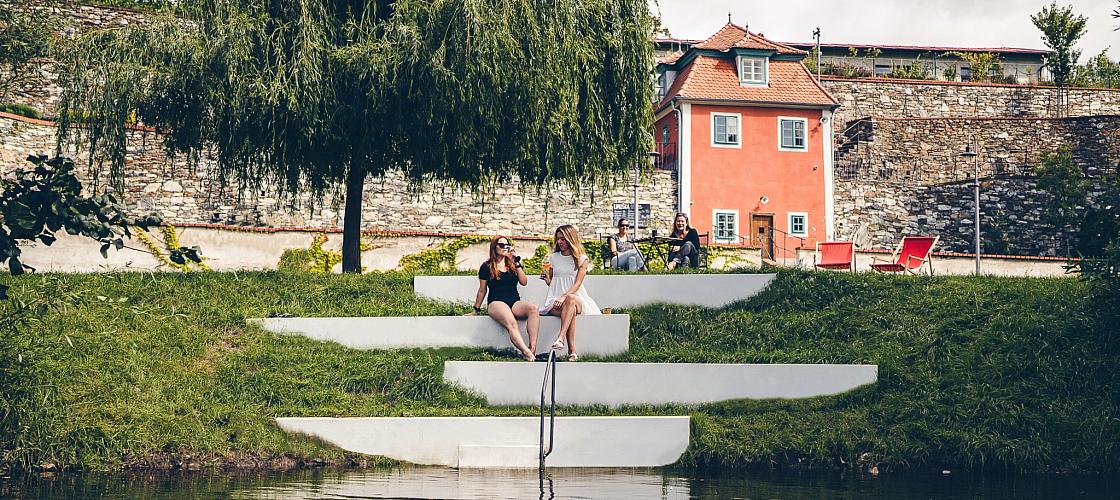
{"x":549,"y":369}
{"x":782,"y":249}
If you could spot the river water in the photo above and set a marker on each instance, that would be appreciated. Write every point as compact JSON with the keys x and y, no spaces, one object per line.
{"x":434,"y":482}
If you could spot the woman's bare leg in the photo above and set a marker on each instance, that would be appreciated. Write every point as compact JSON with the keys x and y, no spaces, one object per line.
{"x":501,"y":313}
{"x":532,"y":316}
{"x":568,"y":323}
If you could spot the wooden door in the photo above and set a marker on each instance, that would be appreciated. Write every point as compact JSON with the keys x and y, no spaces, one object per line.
{"x":762,"y":234}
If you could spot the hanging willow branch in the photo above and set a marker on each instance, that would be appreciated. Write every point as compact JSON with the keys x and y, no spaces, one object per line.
{"x":296,"y":95}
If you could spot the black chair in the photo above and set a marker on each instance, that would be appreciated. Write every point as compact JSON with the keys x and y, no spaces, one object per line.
{"x":701,"y":258}
{"x":605,"y":250}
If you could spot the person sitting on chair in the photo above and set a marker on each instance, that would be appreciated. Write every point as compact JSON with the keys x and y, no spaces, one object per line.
{"x":624,"y":255}
{"x":687,"y":251}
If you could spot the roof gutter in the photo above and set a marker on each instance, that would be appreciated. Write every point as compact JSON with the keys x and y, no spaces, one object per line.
{"x":740,"y":102}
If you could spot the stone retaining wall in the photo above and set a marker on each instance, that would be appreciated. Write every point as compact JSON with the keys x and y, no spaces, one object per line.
{"x":921,"y":99}
{"x":193,"y":195}
{"x":908,"y":179}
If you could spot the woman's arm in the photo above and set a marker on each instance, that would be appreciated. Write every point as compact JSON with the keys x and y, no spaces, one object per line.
{"x":613,"y":246}
{"x":694,"y":237}
{"x":521,"y":278}
{"x":580,"y":275}
{"x":478,"y":297}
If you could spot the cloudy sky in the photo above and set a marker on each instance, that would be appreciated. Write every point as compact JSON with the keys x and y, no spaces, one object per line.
{"x":963,"y":23}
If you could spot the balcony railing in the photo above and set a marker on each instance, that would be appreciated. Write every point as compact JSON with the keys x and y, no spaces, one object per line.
{"x":668,"y":156}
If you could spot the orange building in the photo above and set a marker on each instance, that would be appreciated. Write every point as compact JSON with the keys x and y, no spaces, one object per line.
{"x":749,"y":131}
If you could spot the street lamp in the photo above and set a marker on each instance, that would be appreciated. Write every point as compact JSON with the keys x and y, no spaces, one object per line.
{"x":968,"y":155}
{"x":637,"y":212}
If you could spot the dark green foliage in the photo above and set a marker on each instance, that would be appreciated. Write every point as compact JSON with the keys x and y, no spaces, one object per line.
{"x":983,"y":373}
{"x":24,"y":37}
{"x":1061,"y":30}
{"x":39,"y":201}
{"x":1100,"y":72}
{"x":303,"y":96}
{"x":19,"y":109}
{"x":1095,"y":221}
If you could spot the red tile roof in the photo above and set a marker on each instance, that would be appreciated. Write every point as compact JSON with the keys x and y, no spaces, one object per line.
{"x":732,"y":36}
{"x":717,"y":78}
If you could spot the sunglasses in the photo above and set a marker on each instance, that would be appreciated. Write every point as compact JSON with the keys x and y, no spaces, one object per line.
{"x":505,"y":246}
{"x":627,"y":226}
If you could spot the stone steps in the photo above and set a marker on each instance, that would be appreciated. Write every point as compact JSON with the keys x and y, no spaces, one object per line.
{"x":615,"y":291}
{"x":504,"y":442}
{"x":630,"y":384}
{"x":603,"y":335}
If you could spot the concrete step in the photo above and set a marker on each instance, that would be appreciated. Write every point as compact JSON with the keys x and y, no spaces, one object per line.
{"x":622,"y":384}
{"x":504,"y":441}
{"x":706,"y":290}
{"x":603,"y":335}
{"x":474,"y":456}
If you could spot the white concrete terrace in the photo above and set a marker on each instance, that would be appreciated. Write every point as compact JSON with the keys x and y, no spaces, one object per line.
{"x":618,"y":290}
{"x":630,"y":384}
{"x":603,"y":335}
{"x":505,"y":442}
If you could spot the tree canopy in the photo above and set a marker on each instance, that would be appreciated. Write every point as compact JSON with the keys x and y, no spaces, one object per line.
{"x":304,"y":96}
{"x":1061,"y":30}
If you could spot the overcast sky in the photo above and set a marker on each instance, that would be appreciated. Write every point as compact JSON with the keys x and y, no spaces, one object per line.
{"x":958,"y":23}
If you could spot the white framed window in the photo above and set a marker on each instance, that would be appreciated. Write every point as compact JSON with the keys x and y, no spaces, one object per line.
{"x":626,"y":211}
{"x":725,"y":225}
{"x":665,"y":135}
{"x":792,"y":134}
{"x":662,"y":84}
{"x":799,"y":224}
{"x":725,"y":130}
{"x":752,"y":70}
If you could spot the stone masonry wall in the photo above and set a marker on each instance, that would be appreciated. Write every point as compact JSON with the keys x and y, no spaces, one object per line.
{"x":920,"y":99}
{"x":908,"y":179}
{"x":185,"y":195}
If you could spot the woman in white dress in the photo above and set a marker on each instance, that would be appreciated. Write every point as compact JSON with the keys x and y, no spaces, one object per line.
{"x":566,"y":295}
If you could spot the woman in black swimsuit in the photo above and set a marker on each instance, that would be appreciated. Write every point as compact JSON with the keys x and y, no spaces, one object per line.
{"x":497,"y":282}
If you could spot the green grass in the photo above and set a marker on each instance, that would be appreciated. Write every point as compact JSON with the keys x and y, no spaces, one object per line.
{"x":975,"y":373}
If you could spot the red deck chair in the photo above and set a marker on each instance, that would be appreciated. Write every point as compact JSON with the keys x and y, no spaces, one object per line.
{"x":911,"y":254}
{"x":836,"y":254}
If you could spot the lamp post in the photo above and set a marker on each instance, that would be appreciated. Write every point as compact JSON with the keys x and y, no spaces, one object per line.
{"x":637,"y":212}
{"x":969,"y":154}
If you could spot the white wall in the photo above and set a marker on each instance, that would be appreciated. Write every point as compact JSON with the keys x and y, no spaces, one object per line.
{"x":603,"y":335}
{"x":622,"y":384}
{"x":580,"y":441}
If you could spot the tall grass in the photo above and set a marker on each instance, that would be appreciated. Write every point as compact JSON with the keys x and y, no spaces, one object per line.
{"x":978,"y":373}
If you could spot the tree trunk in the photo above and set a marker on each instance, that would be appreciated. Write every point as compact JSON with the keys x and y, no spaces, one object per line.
{"x":352,"y":223}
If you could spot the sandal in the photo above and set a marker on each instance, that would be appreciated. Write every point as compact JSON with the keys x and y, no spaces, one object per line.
{"x":559,"y":344}
{"x":573,"y":357}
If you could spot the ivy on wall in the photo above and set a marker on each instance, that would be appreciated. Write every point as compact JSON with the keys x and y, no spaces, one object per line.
{"x":314,"y":259}
{"x":440,"y":258}
{"x":173,"y":252}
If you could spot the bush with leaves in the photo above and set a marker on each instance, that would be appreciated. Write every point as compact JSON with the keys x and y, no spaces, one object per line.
{"x":38,"y":202}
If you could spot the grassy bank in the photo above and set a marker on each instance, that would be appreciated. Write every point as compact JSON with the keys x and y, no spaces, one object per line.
{"x":1001,"y":373}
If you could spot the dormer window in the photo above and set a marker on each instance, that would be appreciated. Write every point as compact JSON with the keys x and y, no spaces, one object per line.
{"x":752,"y":71}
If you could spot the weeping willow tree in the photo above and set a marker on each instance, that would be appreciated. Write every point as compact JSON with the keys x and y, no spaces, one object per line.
{"x":305,"y":97}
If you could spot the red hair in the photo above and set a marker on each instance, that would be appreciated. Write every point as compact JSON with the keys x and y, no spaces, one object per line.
{"x":495,"y":256}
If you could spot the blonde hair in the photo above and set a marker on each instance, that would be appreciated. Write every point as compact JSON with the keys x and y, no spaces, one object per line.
{"x":568,"y":232}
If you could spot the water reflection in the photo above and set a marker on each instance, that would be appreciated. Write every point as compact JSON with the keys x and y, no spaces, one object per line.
{"x":435,"y":482}
{"x":423,"y":482}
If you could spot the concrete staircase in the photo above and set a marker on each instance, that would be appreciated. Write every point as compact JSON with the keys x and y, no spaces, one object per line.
{"x":506,"y":442}
{"x":512,"y":442}
{"x":628,"y":384}
{"x":619,"y":291}
{"x":604,"y":335}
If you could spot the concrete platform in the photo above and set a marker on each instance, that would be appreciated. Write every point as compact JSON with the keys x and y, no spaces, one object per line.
{"x":505,"y":442}
{"x":706,"y":290}
{"x":603,"y":335}
{"x":621,"y":384}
